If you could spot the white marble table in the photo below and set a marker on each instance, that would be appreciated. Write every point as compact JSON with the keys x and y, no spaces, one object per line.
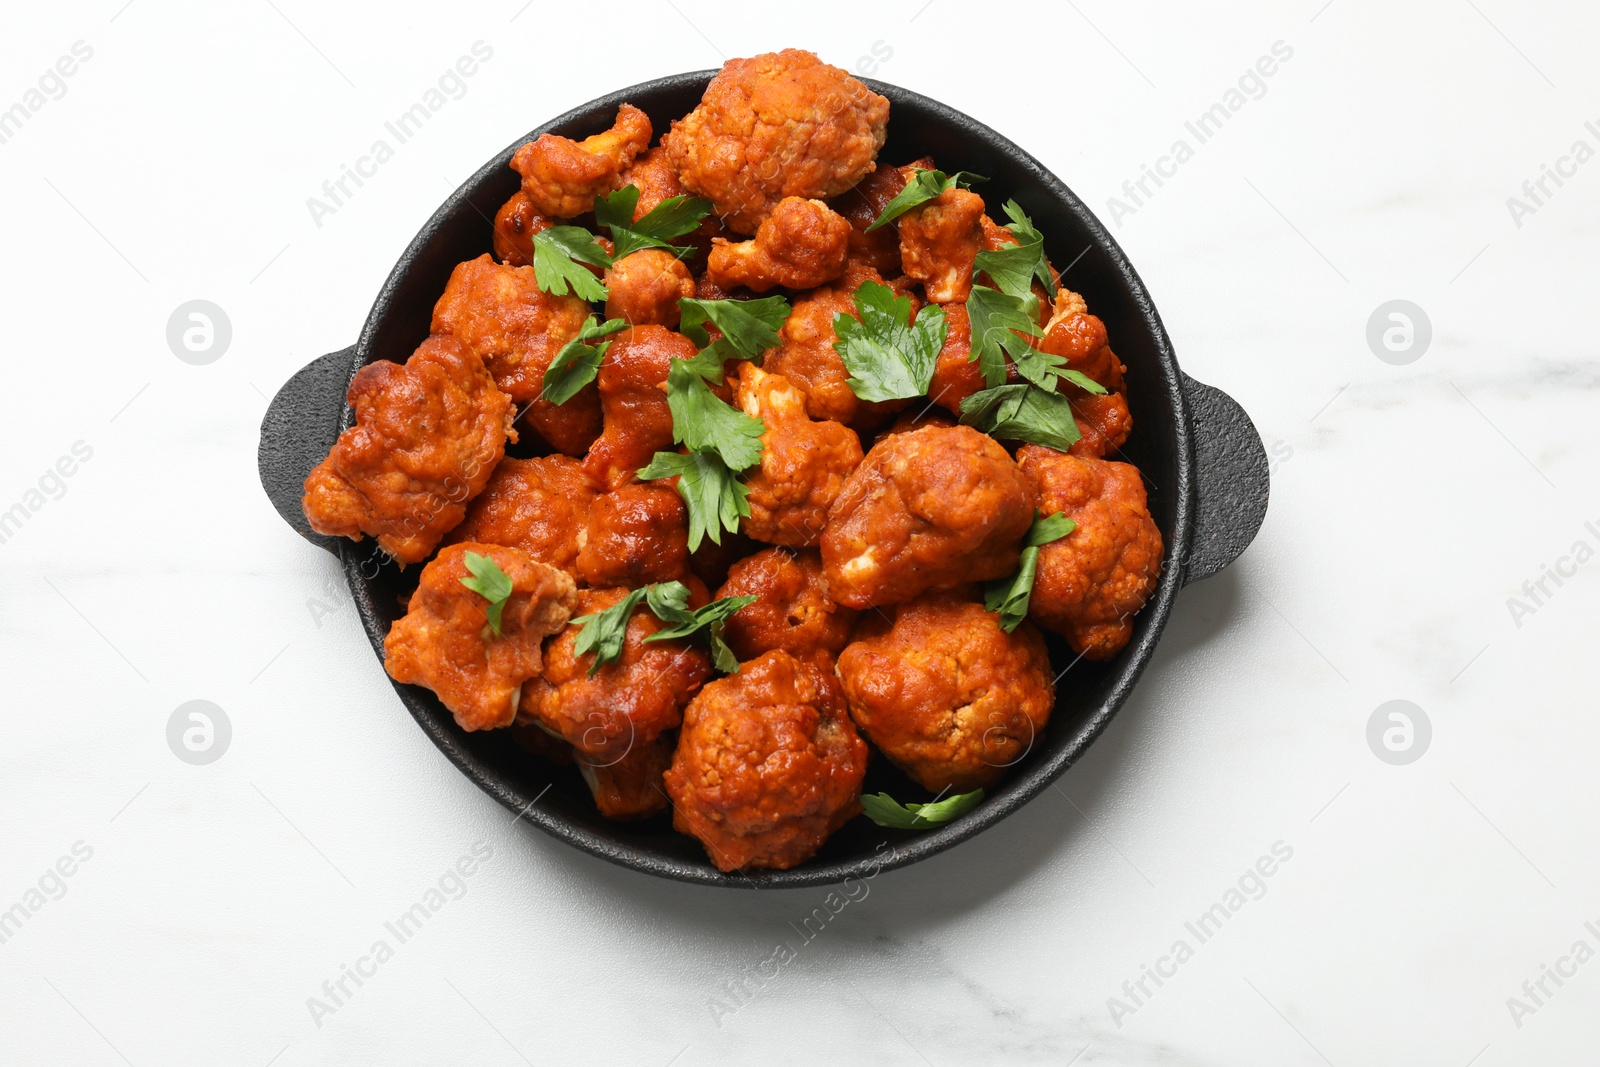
{"x":1415,"y":508}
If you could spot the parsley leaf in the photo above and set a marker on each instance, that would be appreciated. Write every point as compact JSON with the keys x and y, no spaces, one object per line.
{"x":704,"y":422}
{"x":1023,"y":230}
{"x":1009,"y":596}
{"x":924,"y":185}
{"x":1082,"y":381}
{"x":1022,"y":413}
{"x":749,"y":327}
{"x":886,"y":811}
{"x":671,"y":218}
{"x":489,"y":582}
{"x":889,"y":354}
{"x":603,"y":631}
{"x":669,"y":601}
{"x":558,"y":257}
{"x":578,"y":362}
{"x":996,"y":319}
{"x":715,"y":497}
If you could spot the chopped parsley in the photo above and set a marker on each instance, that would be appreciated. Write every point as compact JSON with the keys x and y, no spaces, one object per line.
{"x":749,"y":327}
{"x":578,"y":362}
{"x":559,"y":255}
{"x":1009,"y":596}
{"x":713,"y":494}
{"x":1022,"y":413}
{"x":489,"y":582}
{"x":924,"y":185}
{"x":603,"y":632}
{"x":887,"y":811}
{"x":890,"y":355}
{"x":669,"y":219}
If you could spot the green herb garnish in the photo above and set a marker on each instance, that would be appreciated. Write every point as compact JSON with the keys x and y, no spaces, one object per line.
{"x":558,"y":257}
{"x":704,"y":422}
{"x":890,"y":355}
{"x":713,"y":494}
{"x":578,"y":362}
{"x":1022,"y":413}
{"x":749,"y":327}
{"x":489,"y":582}
{"x":1009,"y":596}
{"x":924,"y":185}
{"x":887,"y":811}
{"x":671,"y":218}
{"x":1001,"y":327}
{"x":669,"y":601}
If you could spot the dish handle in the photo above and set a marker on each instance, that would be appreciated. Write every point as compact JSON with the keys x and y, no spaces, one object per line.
{"x":298,"y":430}
{"x":1231,"y":480}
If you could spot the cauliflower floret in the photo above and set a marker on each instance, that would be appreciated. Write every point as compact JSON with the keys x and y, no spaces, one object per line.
{"x":776,"y":125}
{"x":562,"y":176}
{"x":633,"y":395}
{"x":645,"y":287}
{"x":939,"y":241}
{"x":1090,"y":582}
{"x":768,"y":765}
{"x":927,"y":509}
{"x":794,"y":611}
{"x":514,"y":226}
{"x":803,"y":464}
{"x":800,"y":245}
{"x":427,"y":436}
{"x":632,"y":787}
{"x":538,"y":505}
{"x":444,"y":641}
{"x":638,"y":534}
{"x":945,"y":693}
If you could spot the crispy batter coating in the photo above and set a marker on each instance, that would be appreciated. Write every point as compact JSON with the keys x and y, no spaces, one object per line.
{"x":538,"y":505}
{"x":776,"y":125}
{"x":913,"y":420}
{"x":945,"y":693}
{"x":514,"y":226}
{"x":807,"y":356}
{"x":645,"y":287}
{"x":1091,"y":581}
{"x":631,"y":788}
{"x":501,"y":314}
{"x":861,"y":206}
{"x":768,"y":765}
{"x":562,"y":176}
{"x":801,"y":244}
{"x":444,"y":641}
{"x":803,"y":463}
{"x":627,"y":702}
{"x":633,"y":394}
{"x":939,"y":241}
{"x":638,"y":534}
{"x":1080,"y":338}
{"x":956,"y":375}
{"x":427,"y":436}
{"x":929,"y":509}
{"x":794,"y":613}
{"x":1103,"y":422}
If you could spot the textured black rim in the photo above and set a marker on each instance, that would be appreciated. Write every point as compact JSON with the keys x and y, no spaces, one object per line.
{"x":1029,"y":781}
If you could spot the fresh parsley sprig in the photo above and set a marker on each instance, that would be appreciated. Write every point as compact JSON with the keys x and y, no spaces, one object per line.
{"x":1014,"y":269}
{"x":1023,"y":413}
{"x":890,"y":354}
{"x":671,"y":218}
{"x":603,"y":632}
{"x":489,"y":582}
{"x":558,"y":257}
{"x":1001,"y":326}
{"x":704,"y":422}
{"x":887,"y":811}
{"x":1009,"y":596}
{"x":924,"y":185}
{"x":748,"y":327}
{"x":715,"y":498}
{"x":578,"y":362}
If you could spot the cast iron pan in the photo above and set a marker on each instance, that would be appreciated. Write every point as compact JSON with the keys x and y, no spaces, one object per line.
{"x":1204,"y":467}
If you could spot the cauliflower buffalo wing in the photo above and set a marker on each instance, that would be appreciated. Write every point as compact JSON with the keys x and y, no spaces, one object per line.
{"x":794,"y":611}
{"x":803,"y":463}
{"x":939,"y":241}
{"x":861,"y":206}
{"x":427,"y":436}
{"x":927,"y":509}
{"x":502,"y":315}
{"x":1090,"y":582}
{"x":768,"y":764}
{"x":645,"y":287}
{"x":633,"y":395}
{"x":632,"y":787}
{"x":801,"y":244}
{"x":807,"y":356}
{"x":538,"y":505}
{"x":628,"y":702}
{"x":445,"y":641}
{"x":944,"y":692}
{"x":562,"y":176}
{"x":514,"y":226}
{"x":638,"y":534}
{"x":772,"y":126}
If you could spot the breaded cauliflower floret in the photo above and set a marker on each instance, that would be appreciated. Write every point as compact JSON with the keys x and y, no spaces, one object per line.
{"x":632,"y":787}
{"x":776,"y":125}
{"x":538,"y":505}
{"x":444,"y":641}
{"x":1080,"y":338}
{"x":516,"y":328}
{"x":638,"y":534}
{"x":632,"y":384}
{"x":939,"y":240}
{"x":1090,"y":582}
{"x":645,"y":287}
{"x":807,"y":356}
{"x":768,"y":765}
{"x":928,"y":509}
{"x":803,"y":464}
{"x":861,"y":206}
{"x":628,"y":702}
{"x":800,"y":245}
{"x":514,"y":226}
{"x":562,"y":176}
{"x":427,"y":436}
{"x":794,"y":611}
{"x":945,"y":693}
